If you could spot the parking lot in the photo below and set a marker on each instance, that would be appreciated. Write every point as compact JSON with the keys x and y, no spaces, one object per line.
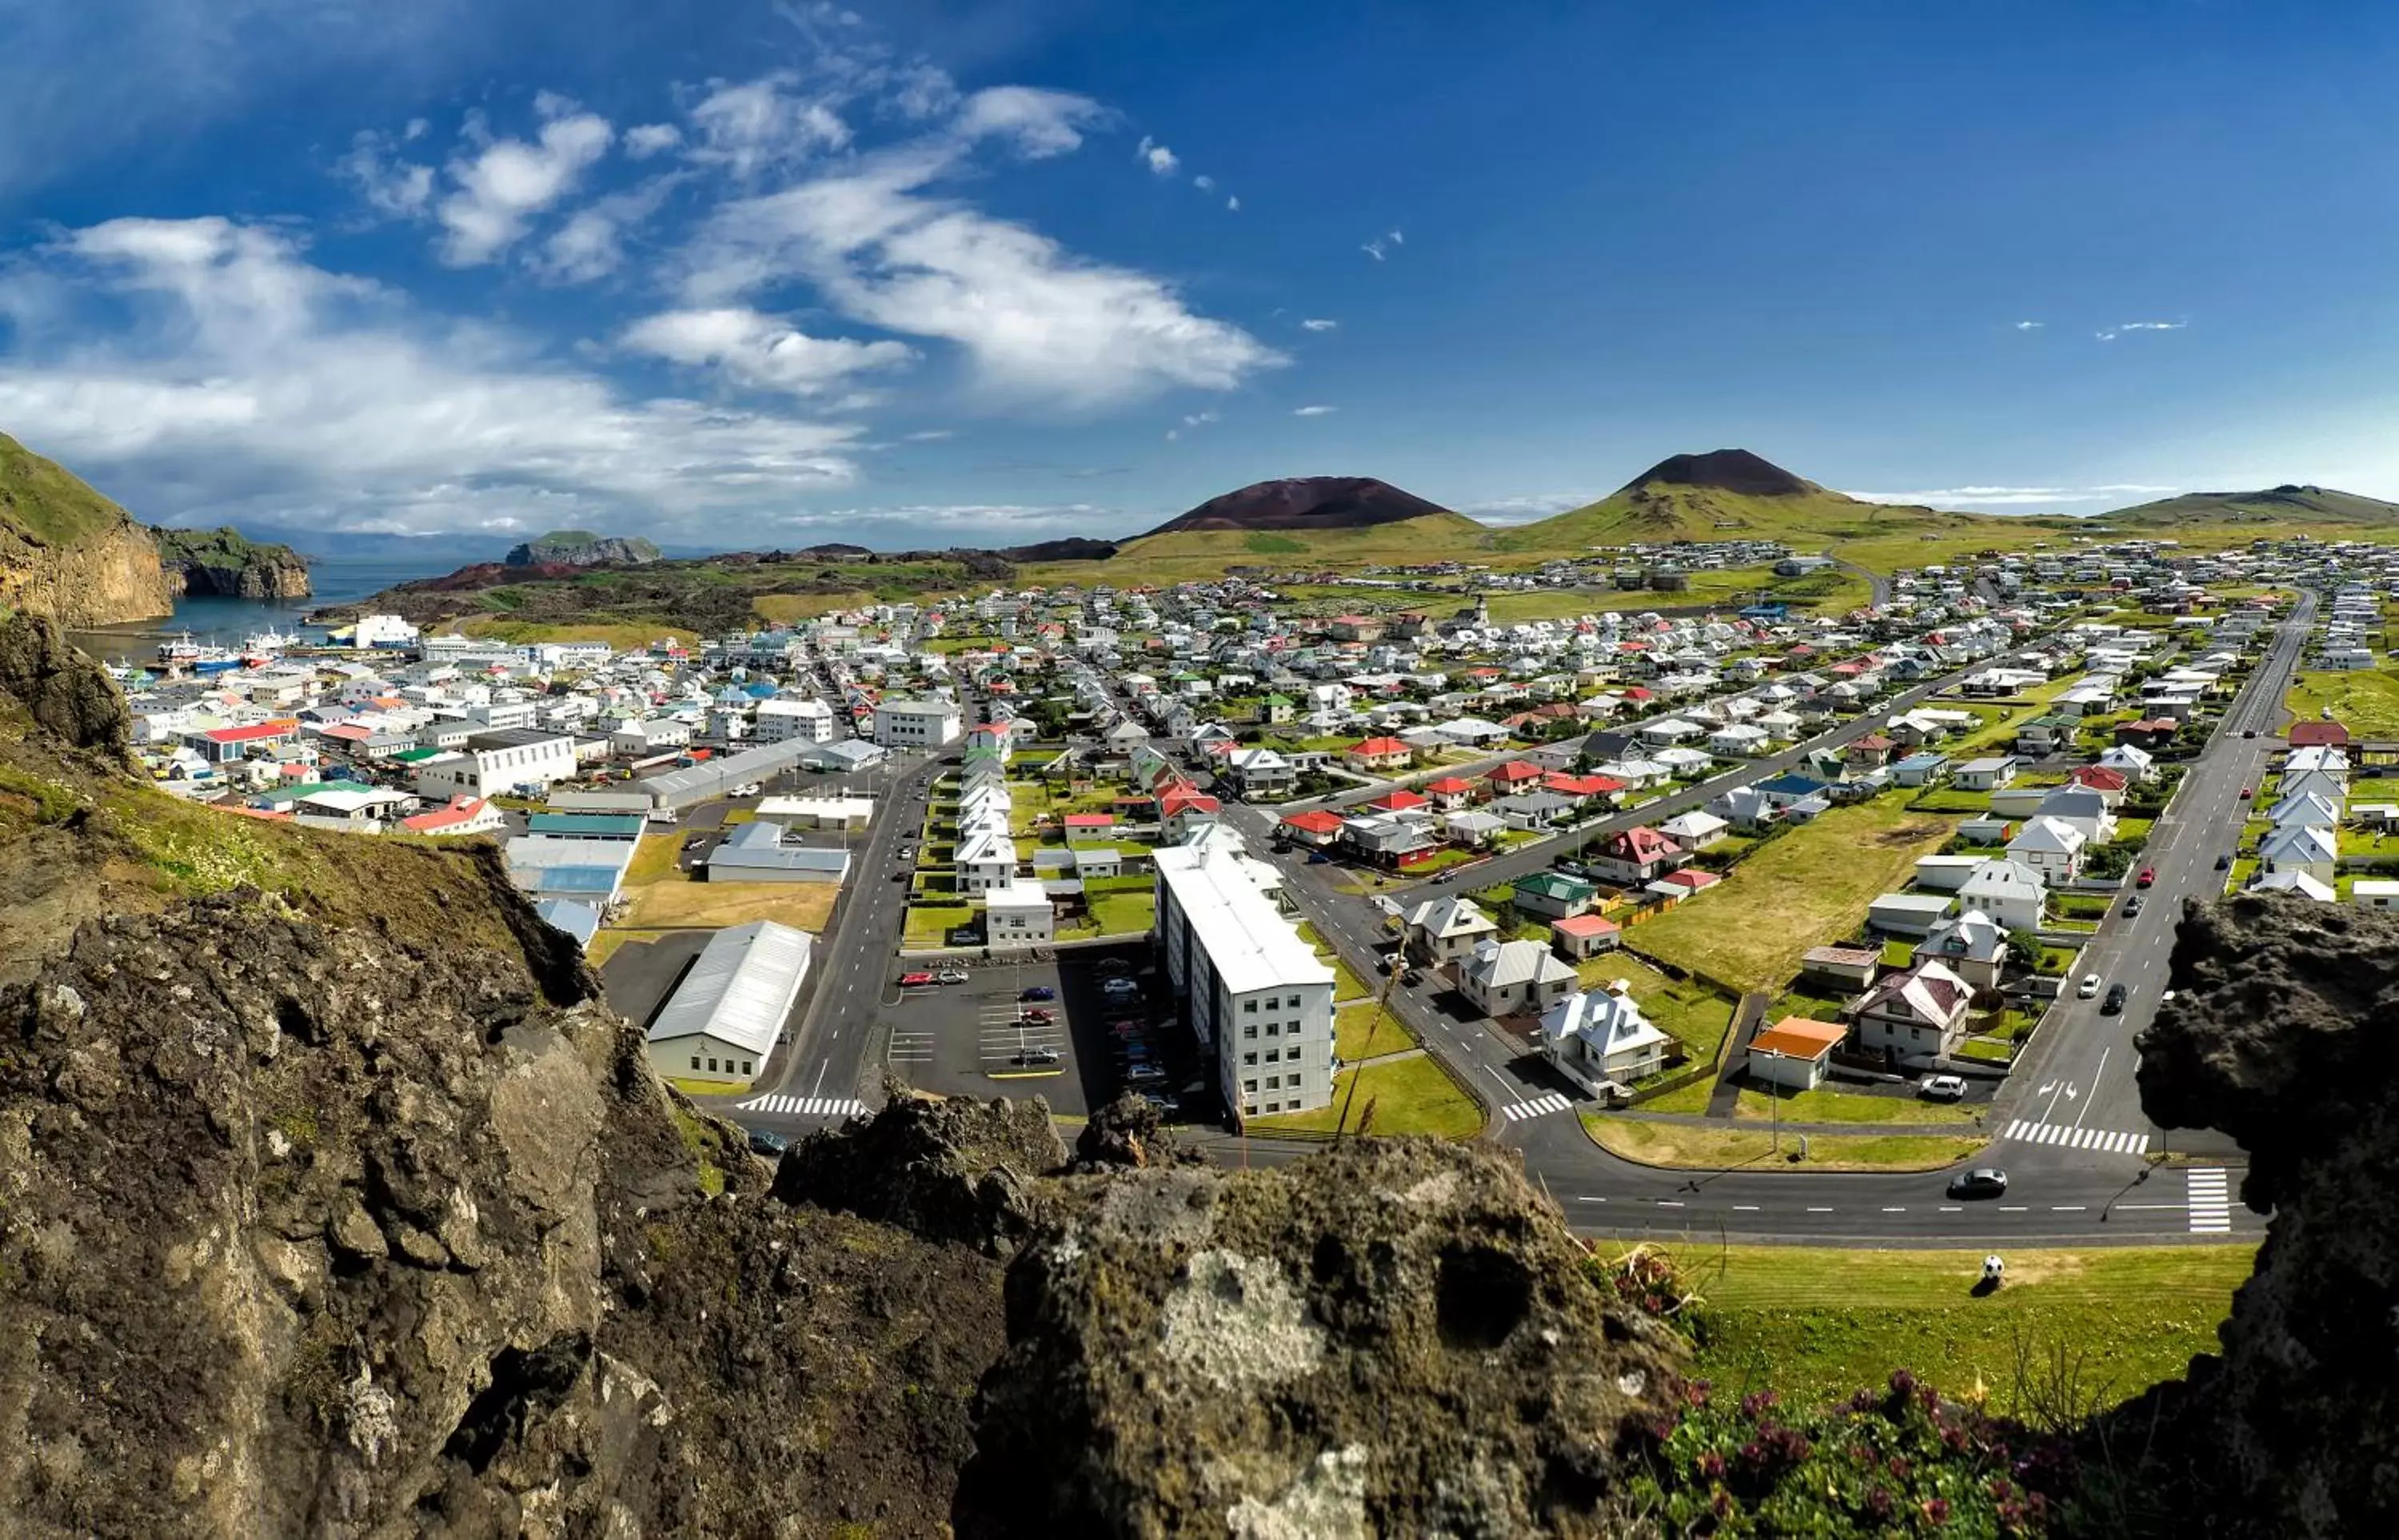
{"x":1078,"y":1047}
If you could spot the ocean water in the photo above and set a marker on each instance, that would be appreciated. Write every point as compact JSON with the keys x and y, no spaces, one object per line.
{"x":228,"y":622}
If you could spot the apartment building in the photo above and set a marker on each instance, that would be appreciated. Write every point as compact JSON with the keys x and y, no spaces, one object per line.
{"x":795,"y":717}
{"x":916,"y":723}
{"x":500,"y":760}
{"x":1251,"y":988}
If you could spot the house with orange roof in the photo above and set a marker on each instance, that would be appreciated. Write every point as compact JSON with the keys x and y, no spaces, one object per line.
{"x":1450,"y":793}
{"x":1794,"y":1052}
{"x":1378,"y":753}
{"x":1580,"y":936}
{"x":1318,"y":827}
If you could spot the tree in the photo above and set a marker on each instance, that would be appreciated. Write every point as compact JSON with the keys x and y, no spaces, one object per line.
{"x":2023,"y":947}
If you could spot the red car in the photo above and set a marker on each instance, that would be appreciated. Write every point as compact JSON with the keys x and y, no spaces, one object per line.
{"x":2148,"y":875}
{"x":2247,"y":792}
{"x":1038,"y":1016}
{"x":910,"y":981}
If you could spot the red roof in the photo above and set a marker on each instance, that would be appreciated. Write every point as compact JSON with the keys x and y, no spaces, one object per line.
{"x":252,"y":733}
{"x":1183,"y":799}
{"x":1372,"y":748}
{"x":1637,"y":693}
{"x":1580,"y":785}
{"x":2317,"y":735}
{"x":2100,"y":778}
{"x":1090,"y":820}
{"x":1692,"y":878}
{"x":1640,"y":846}
{"x":1449,"y":785}
{"x":1397,"y":802}
{"x":1514,"y":770}
{"x":1317,"y":821}
{"x":1873,"y":740}
{"x":1585,"y":925}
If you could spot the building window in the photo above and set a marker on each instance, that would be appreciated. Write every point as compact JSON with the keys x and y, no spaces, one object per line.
{"x":1273,"y":1081}
{"x":1249,"y":1058}
{"x":1249,"y":1029}
{"x":1274,"y":1055}
{"x":1250,"y":1085}
{"x":712,"y":1066}
{"x":1249,"y":1007}
{"x":745,"y":1066}
{"x":1295,"y":1001}
{"x":695,"y":1061}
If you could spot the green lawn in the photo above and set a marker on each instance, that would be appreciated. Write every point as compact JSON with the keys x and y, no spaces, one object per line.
{"x":1691,"y":1098}
{"x":1826,"y":1105}
{"x":1685,"y":1009}
{"x":653,"y":861}
{"x":1346,"y":985}
{"x":1124,"y":913}
{"x":1366,"y":1029}
{"x":1717,"y":1147}
{"x":1407,"y":1095}
{"x":1810,"y":888}
{"x":930,"y":924}
{"x":2364,"y":700}
{"x":1818,"y":1325}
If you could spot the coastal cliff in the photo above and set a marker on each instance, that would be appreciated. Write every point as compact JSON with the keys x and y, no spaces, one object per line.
{"x":227,"y":564}
{"x":69,"y":553}
{"x":582,"y":548}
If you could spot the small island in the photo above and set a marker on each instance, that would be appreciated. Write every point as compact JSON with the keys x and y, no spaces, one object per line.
{"x":227,"y":564}
{"x":582,"y":548}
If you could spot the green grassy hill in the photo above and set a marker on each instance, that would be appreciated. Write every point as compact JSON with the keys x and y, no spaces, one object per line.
{"x":49,"y":505}
{"x":1180,"y":554}
{"x":2294,"y":505}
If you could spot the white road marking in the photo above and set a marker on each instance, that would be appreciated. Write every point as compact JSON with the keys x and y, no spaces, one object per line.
{"x":1670,"y":1203}
{"x":2210,"y":1199}
{"x":2103,"y":1141}
{"x":804,"y":1106}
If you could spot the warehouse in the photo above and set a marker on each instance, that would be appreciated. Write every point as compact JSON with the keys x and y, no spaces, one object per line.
{"x":724,"y":1018}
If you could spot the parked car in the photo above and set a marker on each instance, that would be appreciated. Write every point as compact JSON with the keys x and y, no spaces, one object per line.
{"x":1942,"y":1088}
{"x":1147,"y":1075}
{"x":1035,"y":1056}
{"x":1982,"y":1181}
{"x":1038,"y":1016}
{"x":907,"y":852}
{"x":2133,"y":905}
{"x":951,"y":976}
{"x":1120,"y":989}
{"x":912,"y":981}
{"x":2114,"y":1004}
{"x":2248,"y":792}
{"x":2224,"y":863}
{"x":2149,"y":873}
{"x":764,"y":1143}
{"x":1037,"y":991}
{"x":752,"y":789}
{"x":2090,"y":986}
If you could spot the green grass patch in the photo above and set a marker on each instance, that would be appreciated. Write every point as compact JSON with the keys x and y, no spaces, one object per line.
{"x":2364,"y":700}
{"x":1124,"y":913}
{"x":1366,"y":1029}
{"x":1345,"y":984}
{"x":1826,"y":1105}
{"x":1714,"y":1147}
{"x":653,"y":861}
{"x":1691,"y":1100}
{"x":1685,"y":1010}
{"x":930,"y":924}
{"x":1819,"y":1324}
{"x":1405,"y":1096}
{"x":1805,"y":889}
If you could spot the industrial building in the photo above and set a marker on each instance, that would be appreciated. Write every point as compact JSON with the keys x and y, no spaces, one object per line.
{"x":722,"y":1020}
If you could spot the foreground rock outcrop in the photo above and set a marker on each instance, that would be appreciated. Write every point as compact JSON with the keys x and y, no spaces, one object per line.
{"x":60,"y":689}
{"x":2280,"y":1035}
{"x":68,"y":552}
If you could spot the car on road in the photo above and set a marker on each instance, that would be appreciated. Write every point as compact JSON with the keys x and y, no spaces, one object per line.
{"x":1037,"y":1015}
{"x":1414,"y":977}
{"x":2114,"y":1004}
{"x":907,"y":852}
{"x":913,"y":980}
{"x":1942,"y":1087}
{"x":951,"y":976}
{"x":2247,"y":792}
{"x":2133,"y":905}
{"x":1035,"y":1056}
{"x":1036,"y":992}
{"x":764,"y":1143}
{"x":1982,"y":1181}
{"x":2224,"y":863}
{"x":2149,"y":873}
{"x":2249,"y":732}
{"x":2089,"y":987}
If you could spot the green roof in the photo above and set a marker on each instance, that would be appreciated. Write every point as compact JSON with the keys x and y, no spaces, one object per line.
{"x":1555,"y":885}
{"x":410,"y":756}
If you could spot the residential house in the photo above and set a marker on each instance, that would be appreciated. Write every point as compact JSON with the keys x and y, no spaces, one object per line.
{"x":1855,"y":966}
{"x":1914,"y":1015}
{"x":1444,"y":929}
{"x":1553,"y":895}
{"x":1632,"y":856}
{"x":1018,"y":915}
{"x":1506,"y":978}
{"x":1794,"y":1053}
{"x":2009,"y":891}
{"x":2300,"y":847}
{"x":1261,"y":772}
{"x":1987,"y":774}
{"x":2085,"y":809}
{"x":1969,"y":944}
{"x":1318,"y":827}
{"x":986,"y":861}
{"x":2051,"y":847}
{"x":1581,"y":936}
{"x":1694,"y":831}
{"x":1600,"y":1040}
{"x":2303,"y":883}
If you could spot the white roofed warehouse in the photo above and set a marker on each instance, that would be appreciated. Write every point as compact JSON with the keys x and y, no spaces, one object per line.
{"x":722,"y":1020}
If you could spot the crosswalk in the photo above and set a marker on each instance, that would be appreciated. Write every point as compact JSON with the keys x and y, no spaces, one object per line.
{"x":2211,"y":1200}
{"x":1537,"y":1107}
{"x":806,"y":1106}
{"x":910,"y":1047}
{"x":2066,"y":1136}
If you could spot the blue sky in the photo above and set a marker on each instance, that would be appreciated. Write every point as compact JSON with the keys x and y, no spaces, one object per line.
{"x":755,"y":274}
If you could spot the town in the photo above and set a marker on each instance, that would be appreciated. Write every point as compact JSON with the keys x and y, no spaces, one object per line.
{"x":1413,"y":850}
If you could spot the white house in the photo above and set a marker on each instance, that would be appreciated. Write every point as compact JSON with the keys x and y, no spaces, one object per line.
{"x":1504,"y":978}
{"x":916,"y":723}
{"x":1969,"y":944}
{"x":1598,"y":1039}
{"x":1913,"y":1015}
{"x":986,"y":861}
{"x":784,"y":718}
{"x":2051,"y":847}
{"x":495,"y":762}
{"x":2007,"y":890}
{"x":1017,"y":915}
{"x":2300,"y":847}
{"x":1987,"y":774}
{"x":1441,"y":930}
{"x":1694,"y":831}
{"x":2085,"y":809}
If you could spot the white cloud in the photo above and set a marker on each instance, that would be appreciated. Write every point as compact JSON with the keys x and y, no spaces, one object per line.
{"x":1318,"y":324}
{"x":1039,"y":325}
{"x":243,"y":381}
{"x":390,"y":186}
{"x":1397,"y":239}
{"x":2013,"y":496}
{"x":1000,"y":523}
{"x":502,"y":187}
{"x":1039,"y":123}
{"x":761,"y":351}
{"x":759,"y":124}
{"x":2030,"y":326}
{"x":590,"y":244}
{"x":1205,"y":183}
{"x":1374,"y":249}
{"x":1525,"y":508}
{"x":929,"y":434}
{"x":1312,"y":411}
{"x":1157,"y":157}
{"x":645,"y":140}
{"x":1234,"y":204}
{"x":2112,"y":333}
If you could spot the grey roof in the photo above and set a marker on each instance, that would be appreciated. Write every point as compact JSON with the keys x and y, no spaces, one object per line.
{"x":683,"y":787}
{"x":759,"y":846}
{"x":740,"y":987}
{"x":580,"y":920}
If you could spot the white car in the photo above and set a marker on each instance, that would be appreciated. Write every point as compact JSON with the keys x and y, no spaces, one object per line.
{"x":2090,"y":986}
{"x":1942,"y":1087}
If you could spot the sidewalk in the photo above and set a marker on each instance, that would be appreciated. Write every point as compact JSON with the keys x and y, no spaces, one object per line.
{"x":1745,"y":1023}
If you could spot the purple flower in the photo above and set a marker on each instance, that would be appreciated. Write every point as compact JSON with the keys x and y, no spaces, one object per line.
{"x":1902,"y":1383}
{"x":1936,"y":1510}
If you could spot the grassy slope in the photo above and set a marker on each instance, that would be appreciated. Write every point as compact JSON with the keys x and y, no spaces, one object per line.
{"x":2363,"y":700}
{"x":1819,"y":1324}
{"x":2310,"y":506}
{"x":1192,"y":554}
{"x":1407,"y":1095}
{"x":42,"y":500}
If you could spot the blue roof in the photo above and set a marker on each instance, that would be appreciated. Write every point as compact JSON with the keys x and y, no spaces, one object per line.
{"x":595,"y":825}
{"x":1791,"y":784}
{"x":580,"y":920}
{"x":762,"y":688}
{"x":574,"y":879}
{"x":1925,"y":761}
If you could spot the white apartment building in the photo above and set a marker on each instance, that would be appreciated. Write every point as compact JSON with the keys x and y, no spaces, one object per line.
{"x":382,"y":630}
{"x":1017,"y":915}
{"x":1251,"y":988}
{"x":782,"y":720}
{"x":495,"y":761}
{"x":916,"y":723}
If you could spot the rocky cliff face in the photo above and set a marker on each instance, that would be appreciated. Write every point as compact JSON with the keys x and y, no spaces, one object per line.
{"x":69,"y":553}
{"x":582,"y":548}
{"x":2280,"y":1035}
{"x":227,"y":564}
